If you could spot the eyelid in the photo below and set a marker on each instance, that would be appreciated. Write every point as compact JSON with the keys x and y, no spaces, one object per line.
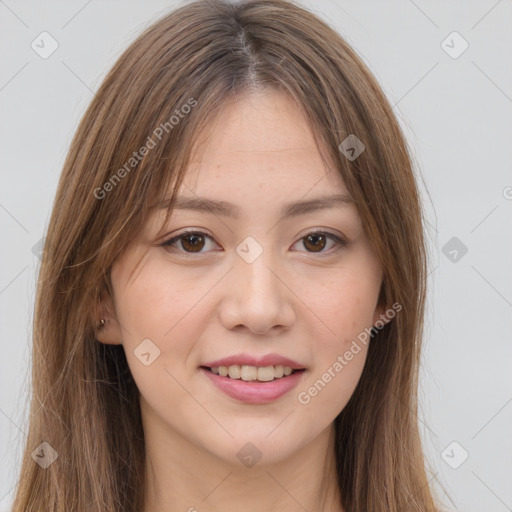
{"x":340,"y":241}
{"x":189,"y":231}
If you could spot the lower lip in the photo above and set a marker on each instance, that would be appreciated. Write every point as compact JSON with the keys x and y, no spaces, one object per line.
{"x":255,"y":392}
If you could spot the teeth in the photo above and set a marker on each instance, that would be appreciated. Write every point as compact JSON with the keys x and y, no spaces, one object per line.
{"x":265,"y":373}
{"x":250,"y":373}
{"x":234,"y":371}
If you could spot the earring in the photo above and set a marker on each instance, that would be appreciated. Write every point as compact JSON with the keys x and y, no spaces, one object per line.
{"x":102,"y":323}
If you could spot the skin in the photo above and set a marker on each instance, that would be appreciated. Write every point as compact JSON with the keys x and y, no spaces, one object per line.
{"x":305,"y":301}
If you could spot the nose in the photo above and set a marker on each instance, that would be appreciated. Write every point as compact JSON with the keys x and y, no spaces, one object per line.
{"x":258,"y":297}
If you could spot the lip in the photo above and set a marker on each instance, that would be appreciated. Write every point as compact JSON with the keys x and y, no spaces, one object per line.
{"x":248,"y":360}
{"x":254,"y":392}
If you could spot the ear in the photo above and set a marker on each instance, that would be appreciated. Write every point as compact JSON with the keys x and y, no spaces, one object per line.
{"x":108,"y":329}
{"x":383,"y":315}
{"x":380,"y":316}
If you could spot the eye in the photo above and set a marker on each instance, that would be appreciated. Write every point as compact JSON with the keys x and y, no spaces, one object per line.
{"x":192,"y":242}
{"x":317,"y":240}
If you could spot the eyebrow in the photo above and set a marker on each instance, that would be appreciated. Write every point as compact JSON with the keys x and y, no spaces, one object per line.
{"x":293,"y":209}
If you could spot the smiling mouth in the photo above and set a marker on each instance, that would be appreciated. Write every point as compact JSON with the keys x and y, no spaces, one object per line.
{"x":253,"y":373}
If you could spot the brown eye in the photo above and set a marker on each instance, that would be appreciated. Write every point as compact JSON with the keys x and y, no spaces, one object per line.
{"x":191,"y":242}
{"x":315,"y":241}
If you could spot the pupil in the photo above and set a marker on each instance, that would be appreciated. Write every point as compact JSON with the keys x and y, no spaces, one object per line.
{"x":196,"y":241}
{"x":316,"y":237}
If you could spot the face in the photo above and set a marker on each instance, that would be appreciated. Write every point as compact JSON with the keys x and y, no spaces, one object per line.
{"x":265,"y":285}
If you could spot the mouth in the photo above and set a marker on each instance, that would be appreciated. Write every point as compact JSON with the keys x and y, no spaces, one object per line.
{"x":253,"y":373}
{"x":254,"y":385}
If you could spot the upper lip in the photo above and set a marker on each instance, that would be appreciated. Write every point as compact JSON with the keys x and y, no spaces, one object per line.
{"x":248,"y":360}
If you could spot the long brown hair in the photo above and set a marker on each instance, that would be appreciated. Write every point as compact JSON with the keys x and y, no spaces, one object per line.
{"x":159,"y":95}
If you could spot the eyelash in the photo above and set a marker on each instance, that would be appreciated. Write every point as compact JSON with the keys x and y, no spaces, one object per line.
{"x":339,"y":241}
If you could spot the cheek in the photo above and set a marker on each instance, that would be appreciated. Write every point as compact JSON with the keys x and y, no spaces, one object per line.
{"x":346,"y":307}
{"x":168,"y":310}
{"x":340,"y":355}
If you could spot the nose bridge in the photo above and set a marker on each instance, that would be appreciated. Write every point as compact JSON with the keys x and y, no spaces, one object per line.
{"x":253,"y":266}
{"x":258,"y":298}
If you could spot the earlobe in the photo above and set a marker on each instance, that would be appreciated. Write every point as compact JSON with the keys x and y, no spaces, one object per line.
{"x":380,"y":318}
{"x":107,"y":333}
{"x":108,"y":329}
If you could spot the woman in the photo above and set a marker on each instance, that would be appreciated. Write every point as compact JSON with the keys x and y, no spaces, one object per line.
{"x":231,"y":296}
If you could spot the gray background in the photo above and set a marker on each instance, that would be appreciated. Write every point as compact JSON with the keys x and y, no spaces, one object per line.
{"x":457,"y":116}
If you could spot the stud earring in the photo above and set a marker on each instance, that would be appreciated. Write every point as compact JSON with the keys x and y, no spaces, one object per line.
{"x":102,"y":323}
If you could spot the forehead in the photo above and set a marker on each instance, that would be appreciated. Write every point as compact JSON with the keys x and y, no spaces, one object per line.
{"x":260,"y":140}
{"x":267,"y":120}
